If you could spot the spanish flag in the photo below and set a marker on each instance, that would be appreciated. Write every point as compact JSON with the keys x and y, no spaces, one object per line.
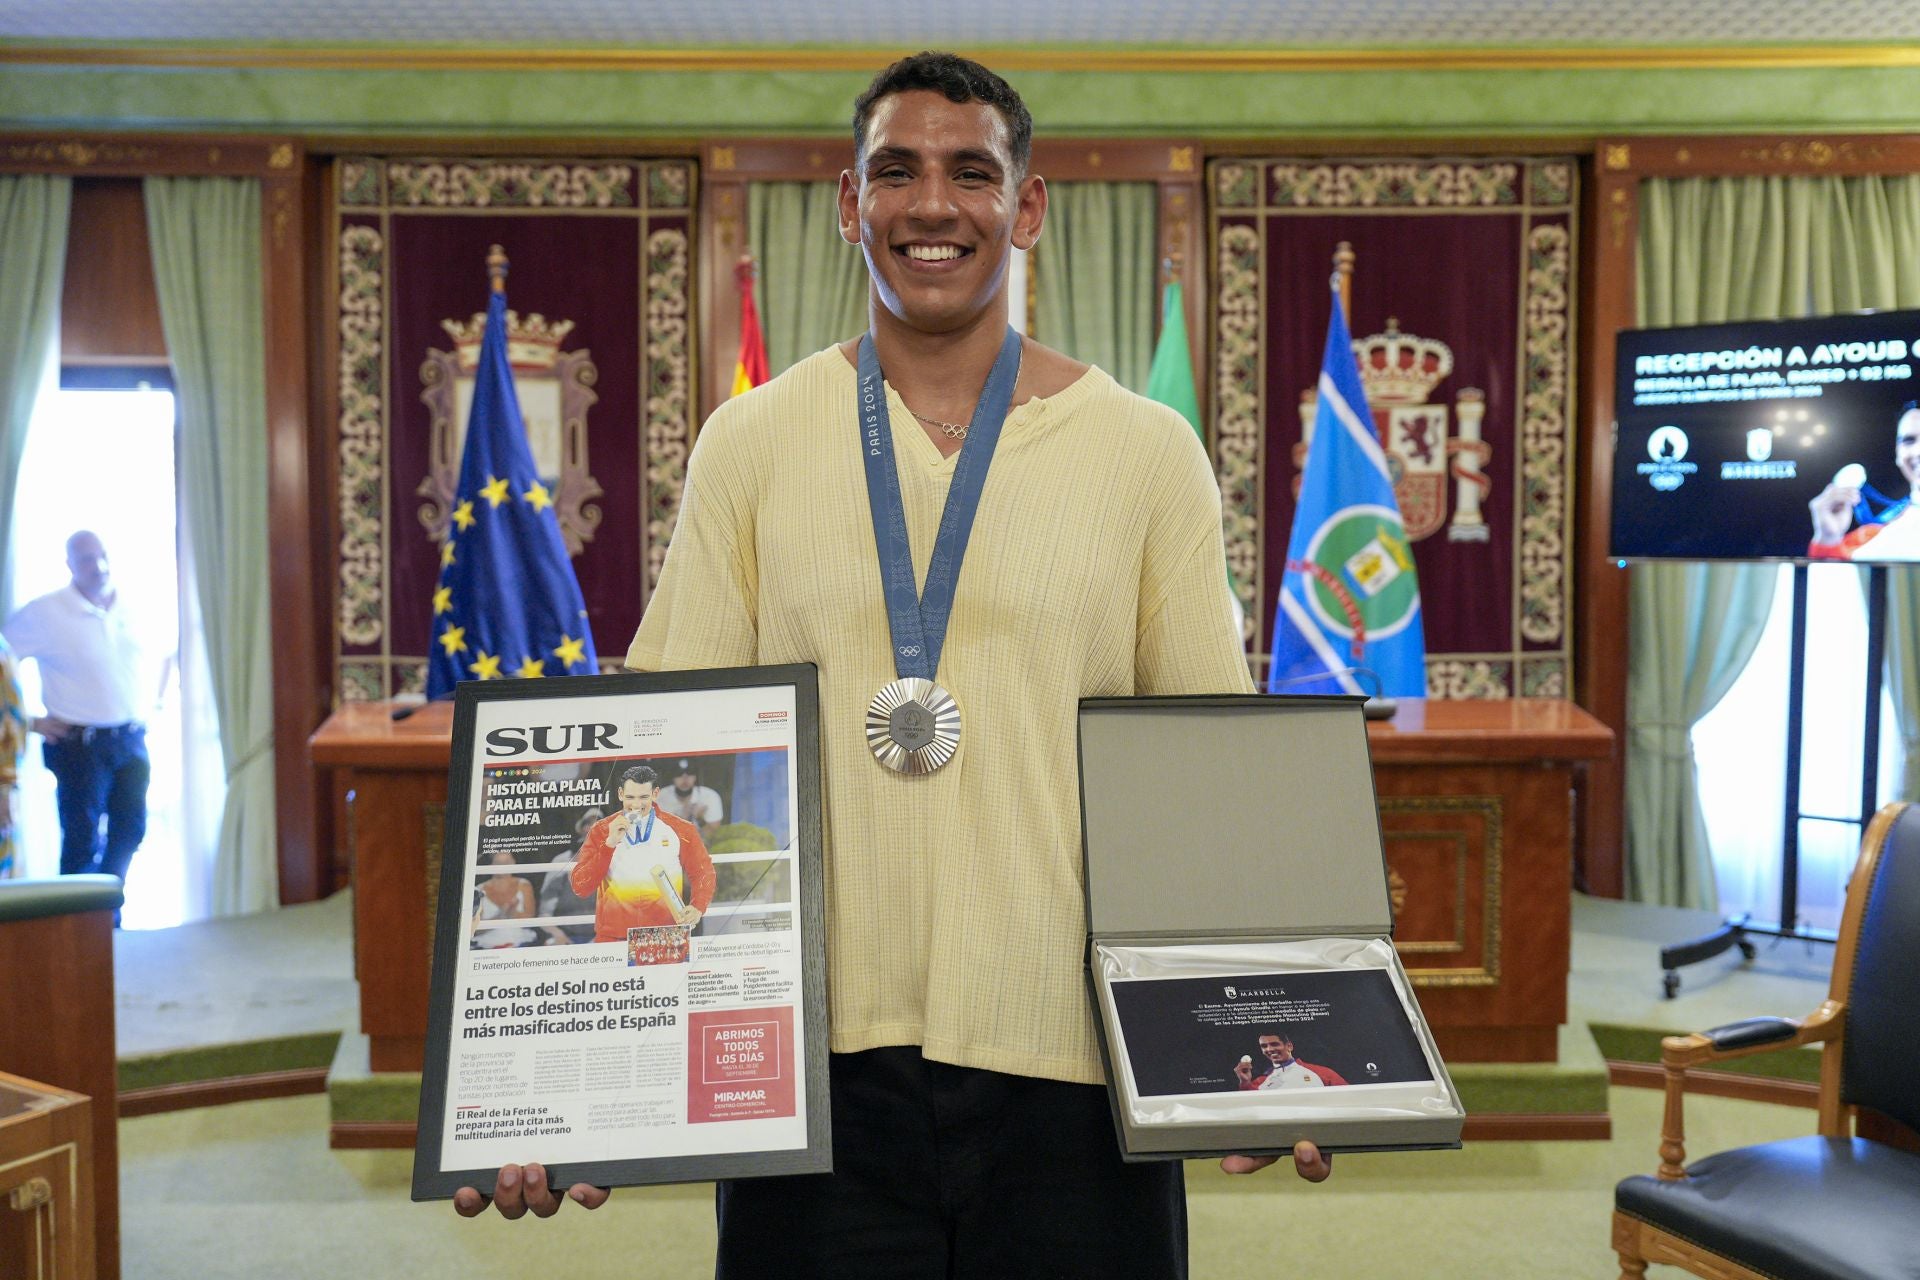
{"x":750,"y":370}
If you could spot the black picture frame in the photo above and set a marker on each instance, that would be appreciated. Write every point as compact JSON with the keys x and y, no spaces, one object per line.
{"x":430,"y":1180}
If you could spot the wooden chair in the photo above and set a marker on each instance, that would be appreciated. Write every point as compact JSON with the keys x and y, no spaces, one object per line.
{"x":1839,"y":1205}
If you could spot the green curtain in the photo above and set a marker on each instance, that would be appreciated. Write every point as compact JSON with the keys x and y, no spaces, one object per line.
{"x":1719,"y":249}
{"x":1867,"y":256}
{"x":206,"y":261}
{"x":1098,"y":272}
{"x":812,"y":290}
{"x":1710,"y":249}
{"x":33,"y":263}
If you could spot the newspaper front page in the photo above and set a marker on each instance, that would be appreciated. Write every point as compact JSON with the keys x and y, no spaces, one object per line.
{"x":629,"y":975}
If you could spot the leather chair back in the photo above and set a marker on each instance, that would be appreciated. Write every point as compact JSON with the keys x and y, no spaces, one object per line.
{"x":1882,"y":1064}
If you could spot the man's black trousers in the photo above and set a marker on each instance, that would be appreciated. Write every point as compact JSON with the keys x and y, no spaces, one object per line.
{"x":951,"y":1173}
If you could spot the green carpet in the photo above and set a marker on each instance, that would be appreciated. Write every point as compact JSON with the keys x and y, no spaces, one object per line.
{"x":222,"y":1061}
{"x":250,"y":1190}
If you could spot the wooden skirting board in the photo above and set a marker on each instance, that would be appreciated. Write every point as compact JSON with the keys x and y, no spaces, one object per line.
{"x":213,"y":1093}
{"x":371,"y":1135}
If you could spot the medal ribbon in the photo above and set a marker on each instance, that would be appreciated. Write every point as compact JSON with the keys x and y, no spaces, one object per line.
{"x":918,"y":619}
{"x":646,"y":833}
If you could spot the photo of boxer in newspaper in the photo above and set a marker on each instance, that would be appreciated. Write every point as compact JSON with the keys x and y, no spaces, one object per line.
{"x":609,"y":850}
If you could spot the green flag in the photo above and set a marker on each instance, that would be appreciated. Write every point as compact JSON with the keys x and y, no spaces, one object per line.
{"x":1170,"y":381}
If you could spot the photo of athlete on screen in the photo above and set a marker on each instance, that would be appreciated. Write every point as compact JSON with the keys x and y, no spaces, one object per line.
{"x":1846,"y":528}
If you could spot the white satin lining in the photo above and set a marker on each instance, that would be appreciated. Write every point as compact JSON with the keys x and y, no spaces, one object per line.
{"x":1421,"y":1099}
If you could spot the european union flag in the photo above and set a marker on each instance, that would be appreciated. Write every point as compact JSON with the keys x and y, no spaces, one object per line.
{"x":507,"y":603}
{"x":1349,"y":616}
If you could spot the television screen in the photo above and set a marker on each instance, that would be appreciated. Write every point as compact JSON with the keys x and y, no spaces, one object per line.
{"x":1774,"y":440}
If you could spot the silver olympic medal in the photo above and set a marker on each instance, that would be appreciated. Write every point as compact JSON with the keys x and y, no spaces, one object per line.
{"x":913,"y":726}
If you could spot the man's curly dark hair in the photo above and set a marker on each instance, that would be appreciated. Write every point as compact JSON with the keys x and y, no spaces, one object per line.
{"x":958,"y":80}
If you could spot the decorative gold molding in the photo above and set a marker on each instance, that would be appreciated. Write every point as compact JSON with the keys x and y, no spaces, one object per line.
{"x":1491,"y":812}
{"x":1022,"y":58}
{"x":1619,"y":155}
{"x":1619,"y":214}
{"x":280,"y":211}
{"x":1817,"y":152}
{"x":77,"y":153}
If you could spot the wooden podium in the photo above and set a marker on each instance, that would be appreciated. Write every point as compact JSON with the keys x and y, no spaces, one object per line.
{"x":390,"y":797}
{"x":1476,"y":803}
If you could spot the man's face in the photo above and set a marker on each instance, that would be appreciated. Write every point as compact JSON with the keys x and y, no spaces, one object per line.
{"x":936,"y":205}
{"x":685,"y":782}
{"x":636,"y":798}
{"x":1906,"y":447}
{"x":87,"y":561}
{"x":1279,"y":1049}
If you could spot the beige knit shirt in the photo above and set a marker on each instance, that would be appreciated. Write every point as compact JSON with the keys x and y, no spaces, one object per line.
{"x":955,"y":914}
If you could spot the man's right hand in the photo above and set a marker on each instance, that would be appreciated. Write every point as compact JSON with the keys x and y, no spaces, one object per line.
{"x":1243,"y":1071}
{"x":519,"y":1188}
{"x":52,"y":728}
{"x":1833,"y":513}
{"x":617,"y":830}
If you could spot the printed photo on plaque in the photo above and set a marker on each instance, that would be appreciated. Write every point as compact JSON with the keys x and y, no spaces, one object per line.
{"x":1255,"y":1032}
{"x":629,"y":963}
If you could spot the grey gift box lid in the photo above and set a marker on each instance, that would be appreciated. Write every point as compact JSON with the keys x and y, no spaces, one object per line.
{"x":1281,"y":835}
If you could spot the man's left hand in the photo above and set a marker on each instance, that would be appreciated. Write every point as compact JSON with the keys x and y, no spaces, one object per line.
{"x":687,"y":916}
{"x":1307,"y":1162}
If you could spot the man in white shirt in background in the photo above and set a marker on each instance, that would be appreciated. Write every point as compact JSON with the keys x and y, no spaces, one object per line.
{"x":686,"y":798}
{"x":96,"y":744}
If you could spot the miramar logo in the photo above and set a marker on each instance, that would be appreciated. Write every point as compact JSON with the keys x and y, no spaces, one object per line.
{"x":1667,"y":446}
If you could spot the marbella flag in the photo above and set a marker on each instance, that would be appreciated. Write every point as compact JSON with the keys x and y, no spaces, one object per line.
{"x":1349,"y":615}
{"x":750,"y":370}
{"x":1170,"y":381}
{"x":507,"y":603}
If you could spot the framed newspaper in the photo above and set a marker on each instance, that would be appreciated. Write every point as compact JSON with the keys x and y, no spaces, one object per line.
{"x":629,"y":968}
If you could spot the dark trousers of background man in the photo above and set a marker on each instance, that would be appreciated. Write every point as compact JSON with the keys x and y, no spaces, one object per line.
{"x":100,"y":772}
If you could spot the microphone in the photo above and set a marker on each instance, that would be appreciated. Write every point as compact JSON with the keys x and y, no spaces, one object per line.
{"x":401,"y":713}
{"x":1378,"y":705}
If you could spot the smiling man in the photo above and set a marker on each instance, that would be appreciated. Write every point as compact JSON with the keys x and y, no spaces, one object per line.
{"x":1048,"y":537}
{"x":1895,"y":533}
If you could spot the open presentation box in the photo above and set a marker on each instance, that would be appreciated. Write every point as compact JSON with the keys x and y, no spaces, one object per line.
{"x":1239,"y":950}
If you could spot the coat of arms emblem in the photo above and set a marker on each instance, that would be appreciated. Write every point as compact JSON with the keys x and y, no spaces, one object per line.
{"x":1400,"y":371}
{"x":555,"y":389}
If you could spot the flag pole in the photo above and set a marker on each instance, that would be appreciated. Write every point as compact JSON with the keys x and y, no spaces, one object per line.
{"x":1343,"y":279}
{"x":497,"y":268}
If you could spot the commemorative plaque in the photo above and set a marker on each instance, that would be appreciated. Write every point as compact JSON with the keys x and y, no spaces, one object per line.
{"x":1239,"y":956}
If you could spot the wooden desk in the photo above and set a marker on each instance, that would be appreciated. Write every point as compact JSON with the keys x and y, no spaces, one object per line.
{"x":46,"y":1182}
{"x":56,"y":1023}
{"x":1476,"y":803}
{"x":390,"y":792}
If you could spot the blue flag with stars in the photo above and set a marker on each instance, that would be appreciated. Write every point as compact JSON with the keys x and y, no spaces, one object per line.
{"x":507,"y":603}
{"x":1349,"y":617}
